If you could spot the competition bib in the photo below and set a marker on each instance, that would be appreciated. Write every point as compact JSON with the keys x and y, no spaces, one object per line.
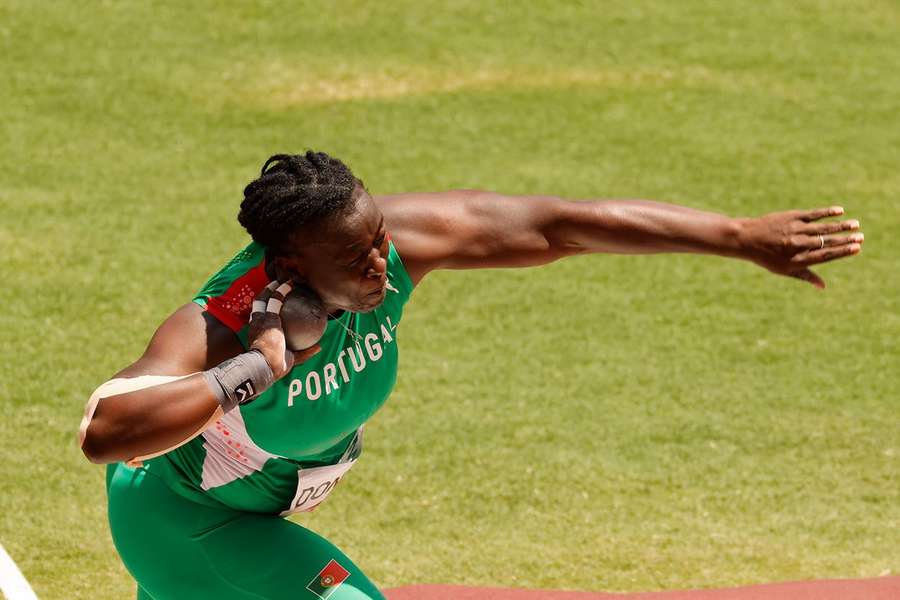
{"x":315,"y":483}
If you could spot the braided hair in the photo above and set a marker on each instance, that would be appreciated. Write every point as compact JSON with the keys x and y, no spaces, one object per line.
{"x":294,"y":190}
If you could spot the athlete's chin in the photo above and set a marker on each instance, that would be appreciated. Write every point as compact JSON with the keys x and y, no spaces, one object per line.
{"x":369,"y":303}
{"x":368,"y":307}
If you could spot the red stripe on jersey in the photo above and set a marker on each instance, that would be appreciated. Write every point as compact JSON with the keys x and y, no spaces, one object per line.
{"x":233,"y":307}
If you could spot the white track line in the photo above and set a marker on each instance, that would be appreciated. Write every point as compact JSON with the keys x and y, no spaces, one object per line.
{"x":12,"y":583}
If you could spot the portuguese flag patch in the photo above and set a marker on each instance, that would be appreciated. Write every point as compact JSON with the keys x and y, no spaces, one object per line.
{"x":328,"y":579}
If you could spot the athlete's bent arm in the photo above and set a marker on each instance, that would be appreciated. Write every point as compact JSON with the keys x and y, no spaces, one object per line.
{"x":468,"y":229}
{"x":139,"y":423}
{"x":163,"y":400}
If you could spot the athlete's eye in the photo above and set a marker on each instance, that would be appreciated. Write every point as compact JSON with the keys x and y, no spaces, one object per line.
{"x":376,"y":244}
{"x":358,"y":260}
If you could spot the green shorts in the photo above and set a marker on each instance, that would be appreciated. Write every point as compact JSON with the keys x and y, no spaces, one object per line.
{"x":178,"y":549}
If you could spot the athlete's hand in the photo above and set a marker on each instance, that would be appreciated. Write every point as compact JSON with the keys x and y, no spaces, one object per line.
{"x":266,"y":334}
{"x":788,"y":243}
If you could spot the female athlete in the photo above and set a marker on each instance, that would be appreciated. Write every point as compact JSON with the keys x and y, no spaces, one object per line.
{"x":217,"y":432}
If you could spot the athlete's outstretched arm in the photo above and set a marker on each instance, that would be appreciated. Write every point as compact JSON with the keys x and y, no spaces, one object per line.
{"x":468,"y":229}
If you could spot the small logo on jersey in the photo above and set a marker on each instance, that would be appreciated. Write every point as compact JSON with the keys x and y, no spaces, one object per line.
{"x":244,"y":391}
{"x":238,"y":301}
{"x":391,"y":287}
{"x":328,"y":579}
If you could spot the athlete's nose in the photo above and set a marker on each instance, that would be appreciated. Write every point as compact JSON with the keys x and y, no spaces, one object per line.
{"x":377,"y":265}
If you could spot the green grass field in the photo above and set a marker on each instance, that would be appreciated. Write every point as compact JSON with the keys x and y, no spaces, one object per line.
{"x":602,"y":423}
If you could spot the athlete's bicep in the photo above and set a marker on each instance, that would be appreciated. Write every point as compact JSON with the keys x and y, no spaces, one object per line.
{"x":469,"y":229}
{"x":188,"y":341}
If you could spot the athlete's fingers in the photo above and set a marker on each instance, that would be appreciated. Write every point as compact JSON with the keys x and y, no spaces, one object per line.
{"x":826,"y":254}
{"x":259,"y":307}
{"x":821,"y":213}
{"x":276,"y":300}
{"x":259,"y":303}
{"x":840,"y":240}
{"x":810,"y":277}
{"x":266,"y":334}
{"x":815,"y":242}
{"x":830,"y":227}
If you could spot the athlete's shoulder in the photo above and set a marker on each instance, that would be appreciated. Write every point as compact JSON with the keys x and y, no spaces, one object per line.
{"x":229,"y":292}
{"x":417,"y":222}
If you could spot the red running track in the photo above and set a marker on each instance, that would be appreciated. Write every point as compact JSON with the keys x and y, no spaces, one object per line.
{"x":882,"y":588}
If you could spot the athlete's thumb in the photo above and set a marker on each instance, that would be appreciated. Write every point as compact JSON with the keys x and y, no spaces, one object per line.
{"x":301,"y":356}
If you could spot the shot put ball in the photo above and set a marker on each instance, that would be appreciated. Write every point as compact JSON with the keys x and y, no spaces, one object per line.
{"x":303,"y":319}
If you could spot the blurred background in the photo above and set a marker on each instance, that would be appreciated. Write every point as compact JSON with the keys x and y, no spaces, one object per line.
{"x":602,"y":423}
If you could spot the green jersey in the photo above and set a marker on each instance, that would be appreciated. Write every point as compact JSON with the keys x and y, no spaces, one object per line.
{"x":285,"y":450}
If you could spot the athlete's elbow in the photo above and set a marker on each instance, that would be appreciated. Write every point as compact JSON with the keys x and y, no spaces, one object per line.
{"x":99,"y":435}
{"x":94,"y":447}
{"x":93,"y":455}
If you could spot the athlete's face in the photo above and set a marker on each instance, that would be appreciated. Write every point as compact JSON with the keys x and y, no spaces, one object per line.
{"x":343,"y":260}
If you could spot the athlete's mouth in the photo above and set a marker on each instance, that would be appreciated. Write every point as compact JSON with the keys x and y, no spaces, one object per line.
{"x":379,"y":292}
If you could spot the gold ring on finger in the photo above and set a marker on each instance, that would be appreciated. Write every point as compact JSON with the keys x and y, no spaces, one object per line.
{"x":821,"y":241}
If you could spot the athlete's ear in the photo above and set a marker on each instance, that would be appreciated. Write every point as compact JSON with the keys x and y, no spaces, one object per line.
{"x":284,"y":268}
